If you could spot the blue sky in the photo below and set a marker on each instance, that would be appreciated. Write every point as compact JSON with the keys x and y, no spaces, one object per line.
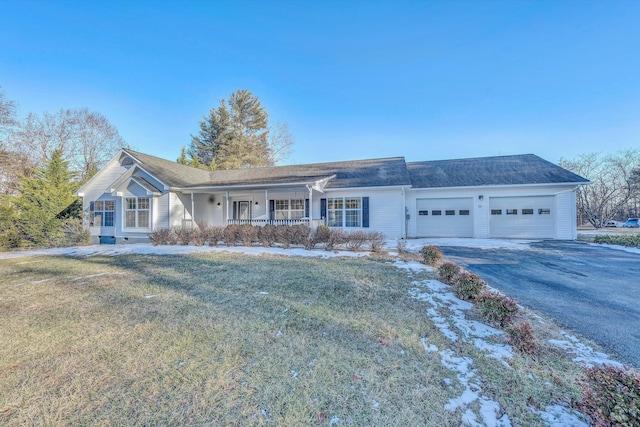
{"x":353,"y":79}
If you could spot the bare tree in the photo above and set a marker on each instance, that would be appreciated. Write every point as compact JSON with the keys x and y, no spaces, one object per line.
{"x":12,"y":164}
{"x":281,"y":142}
{"x":86,"y":139}
{"x":611,"y":187}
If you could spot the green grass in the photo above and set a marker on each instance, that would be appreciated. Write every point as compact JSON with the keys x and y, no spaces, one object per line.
{"x":221,"y":339}
{"x":627,"y":240}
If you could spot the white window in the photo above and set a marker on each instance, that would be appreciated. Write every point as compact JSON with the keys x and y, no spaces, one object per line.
{"x":289,"y":209}
{"x":101,"y":213}
{"x":344,"y":212}
{"x":137,"y":212}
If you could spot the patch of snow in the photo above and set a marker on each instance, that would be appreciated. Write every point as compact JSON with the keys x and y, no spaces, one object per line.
{"x":89,"y":276}
{"x":264,"y":293}
{"x":334,"y":420}
{"x":585,"y":355}
{"x":412,"y":266}
{"x":415,"y":245}
{"x":149,"y":249}
{"x":36,"y":282}
{"x":376,"y":405}
{"x":150,"y":296}
{"x":560,"y":416}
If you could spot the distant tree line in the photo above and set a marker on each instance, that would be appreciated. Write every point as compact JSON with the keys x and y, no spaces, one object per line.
{"x":614,"y":192}
{"x":43,"y":160}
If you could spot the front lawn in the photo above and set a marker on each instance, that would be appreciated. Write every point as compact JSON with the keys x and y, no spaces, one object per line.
{"x":229,"y":339}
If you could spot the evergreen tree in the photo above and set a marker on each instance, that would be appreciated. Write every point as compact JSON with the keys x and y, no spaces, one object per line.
{"x":43,"y":200}
{"x":183,"y":156}
{"x":237,"y":135}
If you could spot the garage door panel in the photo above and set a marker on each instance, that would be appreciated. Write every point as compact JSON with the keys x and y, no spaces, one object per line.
{"x":522,"y":217}
{"x":444,"y":217}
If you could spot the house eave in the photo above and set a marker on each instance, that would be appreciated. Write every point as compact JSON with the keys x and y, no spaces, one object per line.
{"x":467,"y":187}
{"x":207,"y":188}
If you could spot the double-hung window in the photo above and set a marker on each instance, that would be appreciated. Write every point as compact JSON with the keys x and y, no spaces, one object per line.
{"x":101,"y":213}
{"x":289,"y":209}
{"x":137,"y":212}
{"x":344,"y":212}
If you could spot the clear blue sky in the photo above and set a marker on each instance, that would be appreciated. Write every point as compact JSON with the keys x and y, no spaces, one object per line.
{"x":353,"y":79}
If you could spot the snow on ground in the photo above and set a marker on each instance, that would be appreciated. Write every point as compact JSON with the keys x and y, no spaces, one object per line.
{"x":561,"y":416}
{"x":585,"y":355}
{"x":149,"y":249}
{"x":618,"y":247}
{"x":414,"y":245}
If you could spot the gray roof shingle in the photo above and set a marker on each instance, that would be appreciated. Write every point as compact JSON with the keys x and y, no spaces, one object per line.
{"x":500,"y":170}
{"x":348,"y":174}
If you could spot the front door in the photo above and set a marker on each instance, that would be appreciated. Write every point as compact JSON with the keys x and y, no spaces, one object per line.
{"x":244,"y":210}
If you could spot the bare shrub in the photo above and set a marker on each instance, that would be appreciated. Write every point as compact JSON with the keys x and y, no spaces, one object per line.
{"x":496,"y":308}
{"x":431,"y":255}
{"x":401,"y":246}
{"x":337,"y":237}
{"x":215,"y":235}
{"x":160,"y":236}
{"x":318,"y":236}
{"x":448,"y":272}
{"x":300,"y":234}
{"x":267,"y":235}
{"x":284,"y":235}
{"x":611,"y":396}
{"x":376,"y":240}
{"x":248,"y":234}
{"x":467,"y":286}
{"x":184,"y":235}
{"x":355,"y":240}
{"x":521,"y":337}
{"x":231,"y":234}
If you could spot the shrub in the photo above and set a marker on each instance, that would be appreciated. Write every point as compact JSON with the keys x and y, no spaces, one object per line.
{"x":300,"y":234}
{"x":448,"y":272}
{"x":496,"y":308}
{"x":74,"y":233}
{"x":630,"y":240}
{"x":431,"y":255}
{"x":215,"y":235}
{"x":160,"y":236}
{"x":337,"y":237}
{"x":267,"y":235}
{"x":467,"y":286}
{"x":284,"y":235}
{"x":376,"y":240}
{"x":521,"y":337}
{"x":318,"y":236}
{"x":199,"y":235}
{"x":355,"y":240}
{"x":247,"y":234}
{"x":402,"y":246}
{"x":611,"y":396}
{"x":231,"y":234}
{"x":184,"y":234}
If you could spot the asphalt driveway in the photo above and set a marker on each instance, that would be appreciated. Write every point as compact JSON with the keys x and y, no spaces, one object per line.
{"x":593,"y":290}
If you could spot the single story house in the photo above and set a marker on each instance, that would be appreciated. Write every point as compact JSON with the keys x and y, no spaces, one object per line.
{"x":521,"y":196}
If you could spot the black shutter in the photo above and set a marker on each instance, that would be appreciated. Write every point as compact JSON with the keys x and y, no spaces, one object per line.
{"x":323,"y":208}
{"x":272,"y":209}
{"x":365,"y":212}
{"x":306,"y":208}
{"x":235,"y":210}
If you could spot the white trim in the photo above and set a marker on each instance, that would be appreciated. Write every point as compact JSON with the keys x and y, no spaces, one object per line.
{"x":552,"y":184}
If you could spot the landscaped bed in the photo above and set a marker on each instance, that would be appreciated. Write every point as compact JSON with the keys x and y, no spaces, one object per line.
{"x":220,"y":338}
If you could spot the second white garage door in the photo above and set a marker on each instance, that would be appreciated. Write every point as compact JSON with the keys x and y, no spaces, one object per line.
{"x":522,"y":217}
{"x":444,"y":217}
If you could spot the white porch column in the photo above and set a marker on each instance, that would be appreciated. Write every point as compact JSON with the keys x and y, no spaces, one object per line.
{"x":310,"y":206}
{"x":227,"y":203}
{"x":193,"y":212}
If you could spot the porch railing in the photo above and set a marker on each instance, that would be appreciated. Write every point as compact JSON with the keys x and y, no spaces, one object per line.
{"x":299,"y":221}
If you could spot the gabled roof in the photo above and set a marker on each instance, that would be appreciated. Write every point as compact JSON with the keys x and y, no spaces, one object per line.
{"x":500,"y":170}
{"x":171,"y":173}
{"x":348,"y":174}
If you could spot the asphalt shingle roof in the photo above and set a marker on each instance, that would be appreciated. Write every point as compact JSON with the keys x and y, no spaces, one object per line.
{"x":348,"y":174}
{"x":500,"y":170}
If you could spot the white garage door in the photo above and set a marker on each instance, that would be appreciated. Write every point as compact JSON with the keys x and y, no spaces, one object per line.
{"x":444,"y":217}
{"x":522,"y":217}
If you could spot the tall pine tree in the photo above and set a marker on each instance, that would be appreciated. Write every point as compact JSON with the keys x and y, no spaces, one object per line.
{"x":43,"y":200}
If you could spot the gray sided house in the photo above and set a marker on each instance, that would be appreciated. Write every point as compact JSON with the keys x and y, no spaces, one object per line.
{"x":493,"y":197}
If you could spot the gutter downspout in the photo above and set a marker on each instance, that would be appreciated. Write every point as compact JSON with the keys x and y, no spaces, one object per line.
{"x":227,"y":203}
{"x":193,"y":213}
{"x":405,"y":214}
